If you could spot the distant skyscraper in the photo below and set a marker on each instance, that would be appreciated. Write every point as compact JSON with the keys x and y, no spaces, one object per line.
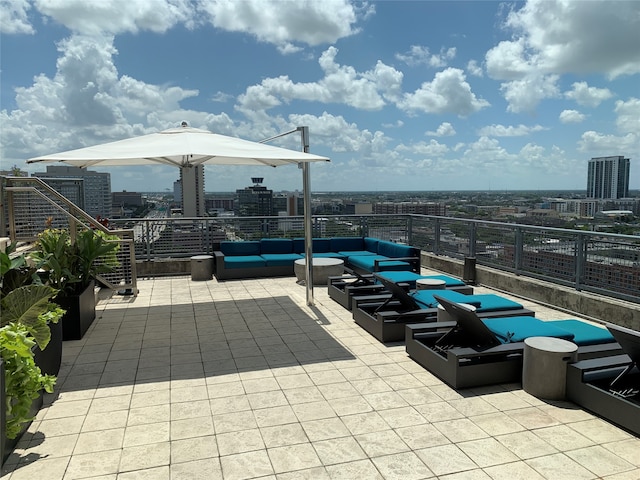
{"x":608,"y":177}
{"x":97,"y":187}
{"x":192,"y":184}
{"x":255,"y":201}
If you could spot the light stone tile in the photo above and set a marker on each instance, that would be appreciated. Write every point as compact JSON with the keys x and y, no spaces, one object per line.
{"x":338,"y":390}
{"x":384,"y":442}
{"x":268,"y":417}
{"x":325,"y":377}
{"x":526,"y":445}
{"x":600,"y":431}
{"x":402,"y":466}
{"x":371,"y":385}
{"x":559,"y":467}
{"x":303,"y":395}
{"x":487,"y":452}
{"x":563,"y":438}
{"x":275,"y":398}
{"x":496,"y":423}
{"x":99,"y":440}
{"x":60,"y":426}
{"x":338,"y":450}
{"x":149,"y":398}
{"x":67,"y":409}
{"x":359,"y":469}
{"x":532,"y":417}
{"x":187,"y":394}
{"x":190,"y":449}
{"x":191,"y":427}
{"x":204,"y":469}
{"x":226,"y":389}
{"x":145,"y":456}
{"x":313,"y":411}
{"x":476,"y":474}
{"x":627,"y":449}
{"x":460,"y":430}
{"x":419,"y":395}
{"x":222,"y":405}
{"x":445,"y":459}
{"x":105,"y":421}
{"x":49,"y":468}
{"x":294,"y":381}
{"x":281,"y":435}
{"x":316,"y":473}
{"x":367,"y":422}
{"x":472,"y":406}
{"x":260,"y":385}
{"x":566,"y":412}
{"x":92,"y":464}
{"x":350,"y":405}
{"x":41,"y":447}
{"x":240,"y":441}
{"x":154,"y":473}
{"x":402,"y":417}
{"x":325,"y":429}
{"x":600,"y":461}
{"x":153,"y":414}
{"x":148,"y":433}
{"x":513,"y":471}
{"x":293,"y":457}
{"x":422,"y":436}
{"x":438,"y":411}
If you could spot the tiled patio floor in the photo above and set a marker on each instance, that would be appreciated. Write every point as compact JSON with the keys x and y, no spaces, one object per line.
{"x":236,"y":380}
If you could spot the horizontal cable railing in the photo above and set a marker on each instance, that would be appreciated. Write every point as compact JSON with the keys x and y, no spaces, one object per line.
{"x":602,"y":263}
{"x":31,"y":206}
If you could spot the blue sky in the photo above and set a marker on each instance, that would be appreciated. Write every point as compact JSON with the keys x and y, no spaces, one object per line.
{"x":417,"y":95}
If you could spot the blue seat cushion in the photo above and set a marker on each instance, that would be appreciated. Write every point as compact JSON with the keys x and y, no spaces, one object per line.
{"x":371,"y":244}
{"x":347,"y":244}
{"x":395,"y":250}
{"x":319,"y":245}
{"x":280,"y":259}
{"x":490,"y":302}
{"x":517,"y":329}
{"x":276,"y":245}
{"x":356,"y":252}
{"x":411,"y":277}
{"x":425,"y":299}
{"x":244,"y":261}
{"x":240,"y":248}
{"x":584,"y":333}
{"x":325,"y":255}
{"x":367,"y":262}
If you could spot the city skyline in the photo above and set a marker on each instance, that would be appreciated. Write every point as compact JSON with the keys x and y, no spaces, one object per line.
{"x":402,"y":96}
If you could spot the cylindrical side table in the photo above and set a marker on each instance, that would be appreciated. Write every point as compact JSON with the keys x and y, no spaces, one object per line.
{"x":444,"y":316}
{"x":430,"y":284}
{"x":544,"y":372}
{"x":201,"y":267}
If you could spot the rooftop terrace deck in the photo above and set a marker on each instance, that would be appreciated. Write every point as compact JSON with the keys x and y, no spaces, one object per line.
{"x":241,"y":379}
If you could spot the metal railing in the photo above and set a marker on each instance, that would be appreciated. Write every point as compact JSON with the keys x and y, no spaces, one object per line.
{"x":29,"y":206}
{"x":604,"y":263}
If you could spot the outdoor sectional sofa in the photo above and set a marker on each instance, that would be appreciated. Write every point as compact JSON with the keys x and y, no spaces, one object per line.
{"x":272,"y":257}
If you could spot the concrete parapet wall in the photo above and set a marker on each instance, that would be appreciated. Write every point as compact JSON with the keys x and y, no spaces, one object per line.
{"x":597,"y":307}
{"x":161,"y":267}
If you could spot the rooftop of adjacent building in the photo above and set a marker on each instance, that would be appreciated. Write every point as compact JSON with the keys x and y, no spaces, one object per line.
{"x":241,"y":379}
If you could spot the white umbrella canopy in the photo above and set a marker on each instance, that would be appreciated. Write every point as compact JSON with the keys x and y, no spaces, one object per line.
{"x":186,"y":147}
{"x":180,"y":147}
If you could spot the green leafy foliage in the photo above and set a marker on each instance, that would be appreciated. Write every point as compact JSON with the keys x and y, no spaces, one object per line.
{"x":23,"y":378}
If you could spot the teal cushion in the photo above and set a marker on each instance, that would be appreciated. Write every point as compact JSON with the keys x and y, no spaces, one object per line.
{"x":280,"y":259}
{"x":240,"y":248}
{"x":371,"y":244}
{"x":411,"y":277}
{"x":359,"y":252}
{"x":395,"y":250}
{"x":276,"y":245}
{"x":347,"y":244}
{"x":367,"y":262}
{"x":584,"y":333}
{"x":425,"y":298}
{"x":244,"y":261}
{"x":320,"y":245}
{"x":517,"y":329}
{"x":490,"y":302}
{"x":325,"y":255}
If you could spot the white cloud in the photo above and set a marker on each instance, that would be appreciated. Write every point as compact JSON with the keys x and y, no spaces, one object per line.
{"x":525,"y":94}
{"x":628,"y":120}
{"x":565,"y":36}
{"x":445,"y":129}
{"x":285,"y":24}
{"x":474,"y":69}
{"x":14,"y":17}
{"x":118,"y":16}
{"x":588,"y":96}
{"x":449,"y":92}
{"x":597,"y":144}
{"x":341,"y":84}
{"x":509,"y":131}
{"x":571,"y":116}
{"x":420,"y":55}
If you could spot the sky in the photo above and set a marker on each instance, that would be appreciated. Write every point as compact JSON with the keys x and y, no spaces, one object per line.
{"x":400,"y":95}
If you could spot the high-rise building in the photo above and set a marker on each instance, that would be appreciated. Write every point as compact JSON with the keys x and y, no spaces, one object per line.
{"x":192,"y":184}
{"x":96,"y":186}
{"x":255,"y":201}
{"x":608,"y":177}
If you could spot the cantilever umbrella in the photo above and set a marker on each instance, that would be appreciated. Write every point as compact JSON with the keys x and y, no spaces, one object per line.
{"x":185,"y":147}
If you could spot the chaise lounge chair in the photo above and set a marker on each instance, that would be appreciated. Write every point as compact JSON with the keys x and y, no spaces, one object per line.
{"x":343,"y":288}
{"x":610,"y":386}
{"x":385,"y":319}
{"x":476,"y":352}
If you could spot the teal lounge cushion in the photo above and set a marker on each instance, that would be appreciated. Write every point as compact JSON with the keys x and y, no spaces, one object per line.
{"x":367,"y":262}
{"x":425,"y":299}
{"x":244,"y":261}
{"x":517,"y":329}
{"x":276,"y":245}
{"x":357,"y":252}
{"x":584,"y":333}
{"x":371,"y":244}
{"x":347,"y":244}
{"x":411,"y":277}
{"x":395,"y":250}
{"x":319,"y":245}
{"x":325,"y":255}
{"x":240,"y":248}
{"x":490,"y":302}
{"x":280,"y":259}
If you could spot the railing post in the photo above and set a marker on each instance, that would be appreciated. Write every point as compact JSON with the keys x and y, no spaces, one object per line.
{"x":147,"y":239}
{"x":436,"y":236}
{"x":472,"y":239}
{"x":518,"y":250}
{"x":410,"y":230}
{"x":12,"y":218}
{"x":580,"y":259}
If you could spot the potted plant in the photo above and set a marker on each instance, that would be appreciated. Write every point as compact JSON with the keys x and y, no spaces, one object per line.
{"x":71,"y":268}
{"x":25,"y":300}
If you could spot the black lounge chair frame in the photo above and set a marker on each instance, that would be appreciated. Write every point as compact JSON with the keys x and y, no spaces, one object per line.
{"x":468,"y":354}
{"x":385,"y":317}
{"x":610,"y":387}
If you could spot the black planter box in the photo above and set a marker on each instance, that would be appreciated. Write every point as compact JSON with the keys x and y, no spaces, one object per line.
{"x":81,"y":311}
{"x":50,"y":359}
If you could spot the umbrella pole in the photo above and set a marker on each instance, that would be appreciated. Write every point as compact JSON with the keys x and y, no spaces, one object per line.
{"x":308,"y":243}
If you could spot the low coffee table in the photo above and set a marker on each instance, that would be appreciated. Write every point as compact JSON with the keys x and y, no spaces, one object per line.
{"x":323,"y":268}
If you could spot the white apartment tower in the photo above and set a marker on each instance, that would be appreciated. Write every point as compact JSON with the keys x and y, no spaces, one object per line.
{"x":608,"y":177}
{"x":192,"y":184}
